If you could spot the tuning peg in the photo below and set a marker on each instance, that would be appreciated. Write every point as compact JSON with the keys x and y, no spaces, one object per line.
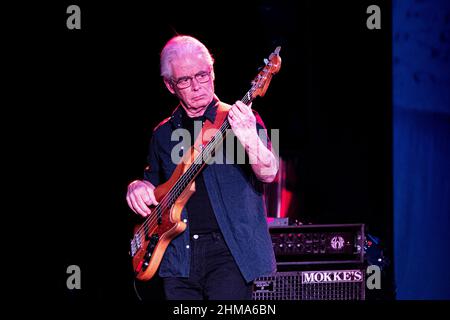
{"x":266,"y":61}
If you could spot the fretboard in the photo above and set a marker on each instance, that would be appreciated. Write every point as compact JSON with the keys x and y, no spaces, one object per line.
{"x":203,"y":157}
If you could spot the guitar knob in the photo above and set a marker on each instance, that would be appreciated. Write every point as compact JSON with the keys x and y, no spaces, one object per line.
{"x":139,"y":266}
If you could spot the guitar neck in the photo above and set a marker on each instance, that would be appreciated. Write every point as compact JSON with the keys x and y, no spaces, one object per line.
{"x":206,"y":153}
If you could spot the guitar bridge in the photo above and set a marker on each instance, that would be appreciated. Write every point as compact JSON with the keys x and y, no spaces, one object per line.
{"x":135,"y":245}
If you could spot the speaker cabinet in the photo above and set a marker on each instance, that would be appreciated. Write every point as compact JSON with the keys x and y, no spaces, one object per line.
{"x":348,"y":284}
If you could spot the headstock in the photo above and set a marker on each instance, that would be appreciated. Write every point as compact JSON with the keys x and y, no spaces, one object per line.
{"x":262,"y":80}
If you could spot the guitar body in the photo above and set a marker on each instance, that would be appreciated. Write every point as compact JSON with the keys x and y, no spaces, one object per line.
{"x":157,"y":237}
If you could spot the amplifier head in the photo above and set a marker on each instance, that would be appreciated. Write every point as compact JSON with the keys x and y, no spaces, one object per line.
{"x":309,"y":244}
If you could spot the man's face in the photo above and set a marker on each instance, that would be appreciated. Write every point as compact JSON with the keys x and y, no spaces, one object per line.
{"x":198,"y":94}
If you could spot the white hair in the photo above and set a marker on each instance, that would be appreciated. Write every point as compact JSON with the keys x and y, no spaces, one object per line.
{"x":181,"y":46}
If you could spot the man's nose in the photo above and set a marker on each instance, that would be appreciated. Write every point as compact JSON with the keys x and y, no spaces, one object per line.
{"x":195,"y":84}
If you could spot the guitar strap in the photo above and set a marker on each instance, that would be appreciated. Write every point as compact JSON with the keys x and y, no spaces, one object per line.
{"x":209,"y":129}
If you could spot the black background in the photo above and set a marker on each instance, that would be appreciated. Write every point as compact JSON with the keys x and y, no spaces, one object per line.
{"x":87,"y":101}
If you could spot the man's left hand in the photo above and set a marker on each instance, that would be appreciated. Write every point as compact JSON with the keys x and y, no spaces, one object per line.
{"x":243,"y":122}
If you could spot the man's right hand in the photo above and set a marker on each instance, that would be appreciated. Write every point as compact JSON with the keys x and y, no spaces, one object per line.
{"x":140,"y":196}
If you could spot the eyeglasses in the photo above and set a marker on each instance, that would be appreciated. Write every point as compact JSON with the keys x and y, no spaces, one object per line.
{"x":185,"y":82}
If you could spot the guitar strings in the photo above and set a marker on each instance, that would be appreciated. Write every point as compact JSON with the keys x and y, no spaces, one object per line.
{"x":187,"y":176}
{"x":178,"y":187}
{"x":172,"y":194}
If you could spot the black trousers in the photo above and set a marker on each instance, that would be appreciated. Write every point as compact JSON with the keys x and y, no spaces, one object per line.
{"x":214,"y":274}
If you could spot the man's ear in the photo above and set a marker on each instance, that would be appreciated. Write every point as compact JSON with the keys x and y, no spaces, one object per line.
{"x":169,"y":86}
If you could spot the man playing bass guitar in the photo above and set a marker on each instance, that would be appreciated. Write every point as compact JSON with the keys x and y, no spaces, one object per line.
{"x":219,"y":242}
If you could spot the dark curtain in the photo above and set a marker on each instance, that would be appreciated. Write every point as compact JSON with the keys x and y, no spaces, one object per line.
{"x":421,"y":102}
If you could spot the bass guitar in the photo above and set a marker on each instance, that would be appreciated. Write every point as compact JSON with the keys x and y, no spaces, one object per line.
{"x":164,"y":223}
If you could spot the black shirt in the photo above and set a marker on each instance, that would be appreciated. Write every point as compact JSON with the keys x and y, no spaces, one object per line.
{"x":200,"y":213}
